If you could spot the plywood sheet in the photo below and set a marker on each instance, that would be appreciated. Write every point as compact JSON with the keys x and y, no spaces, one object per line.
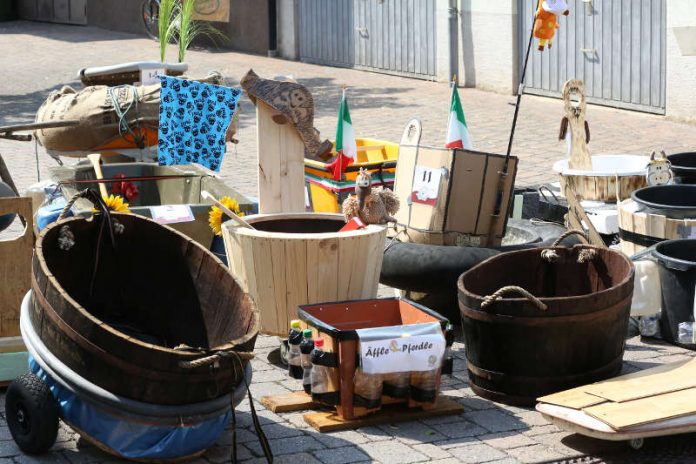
{"x":646,"y":410}
{"x":575,"y":398}
{"x":295,"y":401}
{"x":650,"y":382}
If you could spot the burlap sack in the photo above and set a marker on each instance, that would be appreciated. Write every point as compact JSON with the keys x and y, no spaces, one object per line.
{"x":99,"y":122}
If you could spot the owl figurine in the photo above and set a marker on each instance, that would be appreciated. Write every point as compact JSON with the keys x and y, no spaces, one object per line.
{"x":658,"y":171}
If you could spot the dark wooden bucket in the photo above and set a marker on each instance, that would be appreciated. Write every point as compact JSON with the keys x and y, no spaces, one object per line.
{"x":159,"y":301}
{"x":516,"y":350}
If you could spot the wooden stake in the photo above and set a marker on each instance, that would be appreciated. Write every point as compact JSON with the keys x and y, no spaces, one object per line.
{"x":95,"y":159}
{"x":226,"y":210}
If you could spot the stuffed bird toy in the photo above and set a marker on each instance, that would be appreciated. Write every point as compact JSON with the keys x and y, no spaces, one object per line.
{"x":371,"y":205}
{"x":546,"y":20}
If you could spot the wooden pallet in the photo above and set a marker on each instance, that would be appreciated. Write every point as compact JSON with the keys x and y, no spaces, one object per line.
{"x":330,"y":421}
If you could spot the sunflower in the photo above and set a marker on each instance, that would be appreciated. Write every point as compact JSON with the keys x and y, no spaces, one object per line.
{"x":115,"y":203}
{"x":216,"y":216}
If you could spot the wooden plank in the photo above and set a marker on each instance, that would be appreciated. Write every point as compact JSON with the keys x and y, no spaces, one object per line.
{"x":470,"y":169}
{"x":281,"y":164}
{"x":295,"y":401}
{"x":349,"y":266}
{"x":279,"y":291}
{"x":671,"y":377}
{"x":331,"y":422}
{"x":372,"y":267}
{"x":295,"y":277}
{"x":646,"y":410}
{"x":15,"y":265}
{"x":263,"y":277}
{"x":575,"y":398}
{"x":327,"y":270}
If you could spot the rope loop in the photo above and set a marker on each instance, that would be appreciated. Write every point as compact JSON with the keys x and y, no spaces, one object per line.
{"x":213,"y":358}
{"x":498,"y":295}
{"x":568,"y":233}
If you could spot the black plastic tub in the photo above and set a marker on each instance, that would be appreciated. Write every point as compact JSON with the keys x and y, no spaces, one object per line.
{"x":677,"y":265}
{"x":673,"y":201}
{"x":684,"y":167}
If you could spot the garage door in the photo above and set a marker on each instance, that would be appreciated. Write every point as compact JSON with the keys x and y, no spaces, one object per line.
{"x":391,"y":36}
{"x":617,"y":47}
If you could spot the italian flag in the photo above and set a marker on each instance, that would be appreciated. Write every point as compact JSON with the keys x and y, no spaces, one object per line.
{"x":457,"y":131}
{"x":345,"y":141}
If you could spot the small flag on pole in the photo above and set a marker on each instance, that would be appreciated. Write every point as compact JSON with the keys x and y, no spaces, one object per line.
{"x":457,"y":130}
{"x":346,"y":149}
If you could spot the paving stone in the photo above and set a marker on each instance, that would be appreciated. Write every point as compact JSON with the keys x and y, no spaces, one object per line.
{"x":540,"y":430}
{"x":536,"y":453}
{"x":222,"y":454}
{"x":52,"y":458}
{"x":345,"y":455}
{"x":432,"y":451}
{"x":281,"y":430}
{"x":475,"y":403}
{"x":413,"y":432}
{"x":506,"y":440}
{"x":259,"y":389}
{"x":296,"y":458}
{"x":374,"y":433}
{"x":339,"y":439}
{"x":270,"y":375}
{"x":495,"y":421}
{"x":532,"y":418}
{"x":476,"y":453}
{"x":243,"y":436}
{"x":8,"y":449}
{"x":290,"y":445}
{"x":461,"y":428}
{"x":393,"y":452}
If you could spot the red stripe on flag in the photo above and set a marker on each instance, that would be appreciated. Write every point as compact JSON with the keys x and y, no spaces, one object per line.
{"x":339,"y":165}
{"x":455,"y":144}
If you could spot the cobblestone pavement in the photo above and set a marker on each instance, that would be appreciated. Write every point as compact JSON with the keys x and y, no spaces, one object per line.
{"x":36,"y":58}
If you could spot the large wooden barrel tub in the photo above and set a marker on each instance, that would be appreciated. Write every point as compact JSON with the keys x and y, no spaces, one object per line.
{"x":562,"y":324}
{"x":159,"y":300}
{"x":288,"y":260}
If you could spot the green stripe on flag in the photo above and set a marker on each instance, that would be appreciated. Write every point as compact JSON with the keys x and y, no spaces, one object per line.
{"x":457,"y":106}
{"x":343,"y":116}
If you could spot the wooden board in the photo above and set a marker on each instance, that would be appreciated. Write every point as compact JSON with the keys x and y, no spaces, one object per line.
{"x":15,"y":266}
{"x":650,"y":382}
{"x":295,"y":401}
{"x":332,"y":422}
{"x":579,"y":422}
{"x":575,"y":398}
{"x":645,"y":410}
{"x":281,"y":164}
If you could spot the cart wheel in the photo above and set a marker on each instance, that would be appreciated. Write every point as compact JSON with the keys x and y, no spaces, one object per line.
{"x":284,"y":349}
{"x":636,"y":443}
{"x":32,"y":414}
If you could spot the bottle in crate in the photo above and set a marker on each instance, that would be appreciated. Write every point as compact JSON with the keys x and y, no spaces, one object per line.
{"x":367,"y":392}
{"x":306,"y":347}
{"x":322,"y":363}
{"x":448,"y":359}
{"x":294,"y":354}
{"x":396,"y":384}
{"x":424,"y":386}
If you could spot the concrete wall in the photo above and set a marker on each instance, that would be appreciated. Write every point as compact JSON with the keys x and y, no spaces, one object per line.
{"x":488,"y":53}
{"x":247,"y":30}
{"x":288,"y":29}
{"x":681,"y":67}
{"x":116,"y":15}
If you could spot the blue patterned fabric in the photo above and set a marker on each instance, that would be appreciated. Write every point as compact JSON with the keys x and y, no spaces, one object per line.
{"x":193,"y":121}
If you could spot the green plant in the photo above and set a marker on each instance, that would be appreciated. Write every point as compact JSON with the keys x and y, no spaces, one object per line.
{"x":189,"y":29}
{"x":166,"y":25}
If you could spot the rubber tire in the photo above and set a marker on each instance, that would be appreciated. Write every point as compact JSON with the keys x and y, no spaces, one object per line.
{"x":30,"y":396}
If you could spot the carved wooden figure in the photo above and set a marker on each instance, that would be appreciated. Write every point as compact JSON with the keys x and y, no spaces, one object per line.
{"x":574,"y":127}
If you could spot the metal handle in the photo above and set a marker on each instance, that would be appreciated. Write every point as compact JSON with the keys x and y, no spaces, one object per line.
{"x":592,"y":51}
{"x":589,"y":9}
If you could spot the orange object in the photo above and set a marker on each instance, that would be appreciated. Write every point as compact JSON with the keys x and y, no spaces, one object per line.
{"x":546,"y":20}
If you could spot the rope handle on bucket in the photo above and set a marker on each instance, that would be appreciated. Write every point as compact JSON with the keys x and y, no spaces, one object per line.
{"x":498,"y":295}
{"x":584,"y":255}
{"x":569,"y":233}
{"x":208,"y":360}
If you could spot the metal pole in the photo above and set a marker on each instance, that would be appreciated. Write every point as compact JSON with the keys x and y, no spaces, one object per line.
{"x":520,"y":91}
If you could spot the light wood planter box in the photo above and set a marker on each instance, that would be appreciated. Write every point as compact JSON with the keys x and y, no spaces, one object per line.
{"x":300,"y":258}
